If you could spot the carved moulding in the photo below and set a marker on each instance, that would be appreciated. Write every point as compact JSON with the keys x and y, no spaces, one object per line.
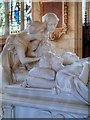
{"x":63,"y":17}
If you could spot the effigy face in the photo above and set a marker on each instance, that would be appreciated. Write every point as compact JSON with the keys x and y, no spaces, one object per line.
{"x":51,"y":26}
{"x":51,"y":21}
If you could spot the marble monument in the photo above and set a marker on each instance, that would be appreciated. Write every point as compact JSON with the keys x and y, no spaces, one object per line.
{"x":30,"y":64}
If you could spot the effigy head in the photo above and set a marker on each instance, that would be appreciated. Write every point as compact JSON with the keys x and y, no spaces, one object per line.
{"x":37,"y":29}
{"x":36,"y":26}
{"x":51,"y":21}
{"x":69,"y":58}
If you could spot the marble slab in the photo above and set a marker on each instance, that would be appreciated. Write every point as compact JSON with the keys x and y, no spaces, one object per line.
{"x":43,"y":94}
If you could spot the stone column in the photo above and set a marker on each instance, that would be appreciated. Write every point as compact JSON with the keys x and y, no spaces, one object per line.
{"x":36,"y":11}
{"x":78,"y":28}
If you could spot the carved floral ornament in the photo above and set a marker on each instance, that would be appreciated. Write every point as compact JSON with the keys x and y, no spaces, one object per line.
{"x":63,"y":16}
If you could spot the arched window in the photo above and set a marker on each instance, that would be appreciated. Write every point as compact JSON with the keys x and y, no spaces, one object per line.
{"x":83,"y":10}
{"x":2,"y":18}
{"x":14,"y":16}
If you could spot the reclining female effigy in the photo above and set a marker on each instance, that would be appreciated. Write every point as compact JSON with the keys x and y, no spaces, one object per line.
{"x":33,"y":63}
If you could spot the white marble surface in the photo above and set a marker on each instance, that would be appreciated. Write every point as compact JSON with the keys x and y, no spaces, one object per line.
{"x":44,"y":94}
{"x":37,"y":106}
{"x":66,"y":98}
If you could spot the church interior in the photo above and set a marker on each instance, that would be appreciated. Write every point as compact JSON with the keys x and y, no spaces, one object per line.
{"x":61,"y":89}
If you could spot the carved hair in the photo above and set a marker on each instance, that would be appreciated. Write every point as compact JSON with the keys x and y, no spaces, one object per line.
{"x":49,"y":16}
{"x":36,"y":26}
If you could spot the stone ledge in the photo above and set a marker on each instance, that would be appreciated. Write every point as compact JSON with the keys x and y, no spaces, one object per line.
{"x":43,"y":94}
{"x":44,"y":104}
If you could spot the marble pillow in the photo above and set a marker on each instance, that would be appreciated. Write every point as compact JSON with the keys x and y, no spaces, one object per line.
{"x":44,"y":73}
{"x":38,"y":83}
{"x":45,"y":61}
